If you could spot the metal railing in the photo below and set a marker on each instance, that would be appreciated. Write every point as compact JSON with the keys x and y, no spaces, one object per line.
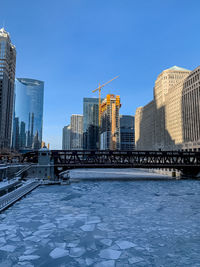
{"x":12,"y":197}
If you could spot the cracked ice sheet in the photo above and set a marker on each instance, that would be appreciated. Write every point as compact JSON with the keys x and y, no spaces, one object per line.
{"x":110,"y":254}
{"x":141,"y":213}
{"x":58,"y":253}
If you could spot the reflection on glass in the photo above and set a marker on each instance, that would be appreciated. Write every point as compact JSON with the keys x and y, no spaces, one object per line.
{"x":28,"y":114}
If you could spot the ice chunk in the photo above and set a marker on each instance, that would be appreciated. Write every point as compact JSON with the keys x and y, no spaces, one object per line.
{"x":58,"y":253}
{"x":89,"y":261}
{"x":29,"y":251}
{"x":110,"y":263}
{"x":77,"y":252}
{"x":60,"y":245}
{"x":88,"y":227}
{"x":28,"y":257}
{"x":47,"y":226}
{"x":125,"y":244}
{"x":2,"y":240}
{"x":73,"y":244}
{"x":110,"y":254}
{"x":134,"y":260}
{"x":106,"y":241}
{"x":94,"y":219}
{"x":43,"y":233}
{"x":33,"y":238}
{"x":8,"y":248}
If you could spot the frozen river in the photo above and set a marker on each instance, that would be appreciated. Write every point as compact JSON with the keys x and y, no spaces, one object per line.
{"x":114,"y":223}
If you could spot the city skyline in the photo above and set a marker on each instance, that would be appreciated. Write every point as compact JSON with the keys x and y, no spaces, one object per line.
{"x":95,"y":52}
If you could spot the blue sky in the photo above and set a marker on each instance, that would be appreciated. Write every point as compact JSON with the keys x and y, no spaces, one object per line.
{"x":72,"y":45}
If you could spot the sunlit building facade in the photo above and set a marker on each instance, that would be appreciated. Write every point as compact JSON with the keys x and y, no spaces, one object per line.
{"x":28,"y":114}
{"x":7,"y":81}
{"x":172,"y":120}
{"x":76,"y":136}
{"x":110,"y":123}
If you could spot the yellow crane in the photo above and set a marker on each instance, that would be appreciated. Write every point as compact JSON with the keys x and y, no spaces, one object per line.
{"x":99,"y":89}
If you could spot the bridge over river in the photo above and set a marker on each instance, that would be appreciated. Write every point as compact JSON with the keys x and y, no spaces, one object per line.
{"x":186,"y":162}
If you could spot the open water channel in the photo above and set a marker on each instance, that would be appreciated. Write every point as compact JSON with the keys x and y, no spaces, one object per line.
{"x":103,"y":224}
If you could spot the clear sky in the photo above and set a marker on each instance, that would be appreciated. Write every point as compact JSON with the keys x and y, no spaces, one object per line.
{"x":72,"y":45}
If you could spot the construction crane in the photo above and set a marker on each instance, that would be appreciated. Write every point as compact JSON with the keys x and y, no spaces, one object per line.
{"x":99,"y":89}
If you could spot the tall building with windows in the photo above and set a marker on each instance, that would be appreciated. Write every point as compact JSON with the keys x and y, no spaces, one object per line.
{"x":191,"y":111}
{"x":76,"y":132}
{"x":66,"y":138}
{"x":90,"y":123}
{"x":172,"y":120}
{"x":7,"y":80}
{"x":110,"y":123}
{"x":127,"y":132}
{"x":28,"y":114}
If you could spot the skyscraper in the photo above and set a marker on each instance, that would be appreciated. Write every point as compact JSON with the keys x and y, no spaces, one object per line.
{"x":66,"y":138}
{"x":7,"y":80}
{"x":90,"y":123}
{"x":159,"y":124}
{"x":28,"y":114}
{"x":127,"y":132}
{"x":110,"y":124}
{"x":76,"y":132}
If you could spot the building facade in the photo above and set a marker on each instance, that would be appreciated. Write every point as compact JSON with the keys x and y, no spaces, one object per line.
{"x":145,"y":127}
{"x":127,"y":132}
{"x":110,"y":123}
{"x":90,"y":123}
{"x":191,"y":111}
{"x":7,"y":81}
{"x":28,"y":114}
{"x":66,"y":138}
{"x":173,"y":121}
{"x":76,"y":132}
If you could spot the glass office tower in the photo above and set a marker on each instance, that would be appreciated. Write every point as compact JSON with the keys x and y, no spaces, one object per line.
{"x":90,"y":123}
{"x":28,"y":114}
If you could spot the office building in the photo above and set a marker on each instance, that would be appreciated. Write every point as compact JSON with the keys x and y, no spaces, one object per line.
{"x":191,"y":111}
{"x":66,"y":138}
{"x":110,"y":124}
{"x":127,"y":132}
{"x":76,"y":132}
{"x":28,"y":114}
{"x":90,"y":123}
{"x":172,"y":120}
{"x":7,"y":80}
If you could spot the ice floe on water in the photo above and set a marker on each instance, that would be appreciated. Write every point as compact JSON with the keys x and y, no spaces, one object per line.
{"x":76,"y":252}
{"x":104,"y":224}
{"x":125,"y":244}
{"x":58,"y":253}
{"x":110,"y":254}
{"x":88,"y":227}
{"x":28,"y":257}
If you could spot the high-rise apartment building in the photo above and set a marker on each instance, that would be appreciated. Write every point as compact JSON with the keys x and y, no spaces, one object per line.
{"x":7,"y":80}
{"x":66,"y":138}
{"x":90,"y":123}
{"x":110,"y":124}
{"x":28,"y":114}
{"x":76,"y":132}
{"x":127,"y":132}
{"x":172,"y":120}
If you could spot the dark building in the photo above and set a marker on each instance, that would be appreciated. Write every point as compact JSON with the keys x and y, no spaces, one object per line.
{"x":7,"y":81}
{"x":28,"y":114}
{"x":127,"y":132}
{"x":90,"y":123}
